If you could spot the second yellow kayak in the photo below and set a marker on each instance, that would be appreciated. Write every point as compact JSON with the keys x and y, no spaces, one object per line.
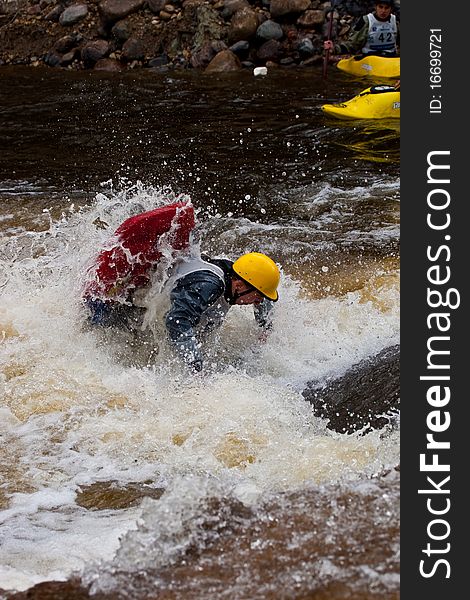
{"x":374,"y":66}
{"x":376,"y":102}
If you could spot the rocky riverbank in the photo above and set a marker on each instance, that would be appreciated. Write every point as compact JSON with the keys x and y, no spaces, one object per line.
{"x":210,"y":35}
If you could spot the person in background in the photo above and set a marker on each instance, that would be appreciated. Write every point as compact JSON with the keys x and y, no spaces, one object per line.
{"x":376,"y":33}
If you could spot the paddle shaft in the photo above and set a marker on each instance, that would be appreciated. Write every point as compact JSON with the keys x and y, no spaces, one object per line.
{"x":327,"y":52}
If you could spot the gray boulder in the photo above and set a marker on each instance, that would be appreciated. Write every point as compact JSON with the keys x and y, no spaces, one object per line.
{"x":73,"y":14}
{"x":366,"y":397}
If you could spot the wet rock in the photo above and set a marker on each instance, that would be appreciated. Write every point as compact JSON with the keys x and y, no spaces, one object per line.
{"x":73,"y":14}
{"x":110,"y":495}
{"x":270,"y":50}
{"x":65,"y":44}
{"x":52,"y":59}
{"x":201,"y":58}
{"x":113,"y":10}
{"x":69,"y":57}
{"x":54,"y":14}
{"x":305,"y":47}
{"x":158,"y":61}
{"x":311,"y":19}
{"x":218,"y":46}
{"x":269,"y":30}
{"x":326,"y":542}
{"x":364,"y":397}
{"x":243,"y":25}
{"x":133,"y":49}
{"x":224,"y":61}
{"x":232,"y":6}
{"x":281,"y":8}
{"x":94,"y":51}
{"x":53,"y":590}
{"x":240,"y":48}
{"x":121,"y":31}
{"x":111,"y":65}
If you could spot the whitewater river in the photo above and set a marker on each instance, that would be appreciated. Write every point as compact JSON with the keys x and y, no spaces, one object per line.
{"x":123,"y":476}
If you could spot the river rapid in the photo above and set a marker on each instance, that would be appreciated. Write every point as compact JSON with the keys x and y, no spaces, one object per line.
{"x":121,"y":474}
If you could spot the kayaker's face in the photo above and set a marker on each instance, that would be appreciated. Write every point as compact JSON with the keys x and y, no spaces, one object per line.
{"x":383,"y":11}
{"x":243,"y":293}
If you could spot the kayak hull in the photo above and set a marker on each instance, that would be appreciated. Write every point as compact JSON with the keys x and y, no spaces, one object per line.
{"x":372,"y":66}
{"x":378,"y":102}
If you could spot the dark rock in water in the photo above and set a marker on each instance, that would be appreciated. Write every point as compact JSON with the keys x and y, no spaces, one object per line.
{"x":269,"y":51}
{"x":65,"y":44}
{"x":363,"y":397}
{"x":133,"y":49}
{"x":52,"y":590}
{"x":108,"y":64}
{"x":240,"y":48}
{"x":223,"y":62}
{"x":159,"y":61}
{"x":52,"y":59}
{"x":121,"y":30}
{"x":202,"y":57}
{"x":92,"y":52}
{"x":305,"y":47}
{"x":54,"y":14}
{"x":327,"y":561}
{"x":110,"y":495}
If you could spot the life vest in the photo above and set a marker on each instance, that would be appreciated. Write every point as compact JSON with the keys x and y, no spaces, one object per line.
{"x":190,"y":265}
{"x":382,"y":36}
{"x":215,"y":314}
{"x":135,"y":249}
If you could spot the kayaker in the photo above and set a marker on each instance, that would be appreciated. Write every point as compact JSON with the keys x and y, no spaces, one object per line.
{"x":376,"y":33}
{"x":204,"y":290}
{"x":201,"y":290}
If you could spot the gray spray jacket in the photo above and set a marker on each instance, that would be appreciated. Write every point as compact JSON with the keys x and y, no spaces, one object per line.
{"x":200,"y":300}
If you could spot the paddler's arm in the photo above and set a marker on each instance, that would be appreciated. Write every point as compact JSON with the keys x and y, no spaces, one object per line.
{"x":355,"y":42}
{"x":190,"y":298}
{"x":264,"y":317}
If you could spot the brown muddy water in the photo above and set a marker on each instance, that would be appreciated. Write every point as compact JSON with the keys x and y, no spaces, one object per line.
{"x":121,"y":476}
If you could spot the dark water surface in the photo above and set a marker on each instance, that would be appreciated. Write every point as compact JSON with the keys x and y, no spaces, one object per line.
{"x":71,"y":131}
{"x":260,"y":499}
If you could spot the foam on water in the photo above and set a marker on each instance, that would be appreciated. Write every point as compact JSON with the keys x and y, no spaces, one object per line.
{"x":76,"y":409}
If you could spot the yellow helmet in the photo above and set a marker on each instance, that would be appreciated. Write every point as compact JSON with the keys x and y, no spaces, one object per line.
{"x":259,"y":271}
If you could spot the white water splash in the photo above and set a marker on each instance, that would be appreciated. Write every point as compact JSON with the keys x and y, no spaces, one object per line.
{"x":77,"y":410}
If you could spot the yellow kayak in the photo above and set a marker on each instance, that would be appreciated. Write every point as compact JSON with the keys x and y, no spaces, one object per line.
{"x":374,"y":66}
{"x":377,"y":102}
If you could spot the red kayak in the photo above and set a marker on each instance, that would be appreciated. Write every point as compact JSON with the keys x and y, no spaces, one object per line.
{"x":135,"y":249}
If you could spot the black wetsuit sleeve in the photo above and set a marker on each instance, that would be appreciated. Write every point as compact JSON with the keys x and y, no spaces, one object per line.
{"x":190,"y":298}
{"x":263,"y":314}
